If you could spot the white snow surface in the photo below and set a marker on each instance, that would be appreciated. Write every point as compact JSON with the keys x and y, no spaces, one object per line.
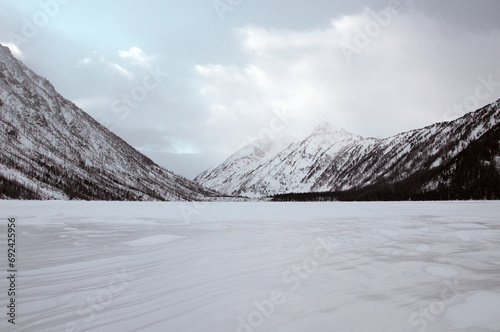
{"x":261,"y":266}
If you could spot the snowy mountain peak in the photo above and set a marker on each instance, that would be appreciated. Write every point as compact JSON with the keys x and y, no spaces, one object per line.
{"x":327,"y":128}
{"x":333,"y":133}
{"x":4,"y":50}
{"x":332,"y":158}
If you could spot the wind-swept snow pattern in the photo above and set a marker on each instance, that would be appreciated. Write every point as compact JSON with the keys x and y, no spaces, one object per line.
{"x":244,"y":267}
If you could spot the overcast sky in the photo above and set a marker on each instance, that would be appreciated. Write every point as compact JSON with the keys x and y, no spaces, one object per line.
{"x":188,"y":82}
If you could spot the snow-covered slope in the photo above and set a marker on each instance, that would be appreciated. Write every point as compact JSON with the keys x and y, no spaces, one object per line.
{"x":334,"y":159}
{"x":261,"y":267}
{"x":52,"y":149}
{"x":473,"y":174}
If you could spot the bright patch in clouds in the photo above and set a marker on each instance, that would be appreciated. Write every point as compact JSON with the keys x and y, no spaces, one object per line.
{"x":121,"y":70}
{"x":83,"y":62}
{"x":184,"y":147}
{"x":134,"y":56}
{"x":137,"y":57}
{"x":97,"y":58}
{"x":171,"y":145}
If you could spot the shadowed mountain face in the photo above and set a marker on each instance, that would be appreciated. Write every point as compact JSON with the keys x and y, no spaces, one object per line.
{"x":473,"y":174}
{"x":331,"y":159}
{"x":51,"y":149}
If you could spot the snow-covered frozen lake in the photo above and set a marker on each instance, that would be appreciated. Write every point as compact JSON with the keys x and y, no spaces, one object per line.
{"x":244,"y":267}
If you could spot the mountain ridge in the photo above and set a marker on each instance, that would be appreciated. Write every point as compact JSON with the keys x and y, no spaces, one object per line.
{"x":51,"y":149}
{"x":351,"y":161}
{"x":473,"y":174}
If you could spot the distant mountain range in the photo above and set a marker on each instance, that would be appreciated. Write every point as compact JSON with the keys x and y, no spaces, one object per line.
{"x":427,"y":163}
{"x":473,"y":174}
{"x":51,"y":149}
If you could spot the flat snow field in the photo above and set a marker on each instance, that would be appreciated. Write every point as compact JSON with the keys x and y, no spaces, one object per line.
{"x":243,"y":267}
